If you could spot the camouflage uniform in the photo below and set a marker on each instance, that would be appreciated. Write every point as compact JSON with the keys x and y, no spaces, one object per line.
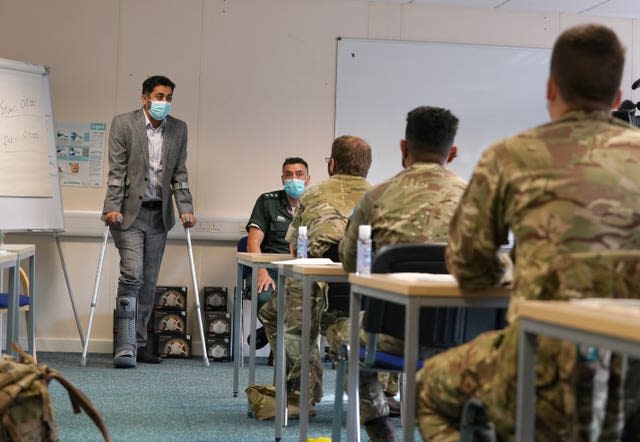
{"x":565,"y":187}
{"x":415,"y":206}
{"x":324,"y":209}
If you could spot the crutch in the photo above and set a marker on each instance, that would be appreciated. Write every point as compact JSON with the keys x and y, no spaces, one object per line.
{"x":205,"y":358}
{"x":85,"y":346}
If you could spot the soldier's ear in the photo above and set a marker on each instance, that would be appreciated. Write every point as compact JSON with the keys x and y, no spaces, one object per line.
{"x":617,"y":99}
{"x":453,"y":153}
{"x":551,"y":89}
{"x":404,"y":148}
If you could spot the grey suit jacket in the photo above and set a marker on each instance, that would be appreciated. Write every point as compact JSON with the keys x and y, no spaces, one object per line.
{"x":129,"y":168}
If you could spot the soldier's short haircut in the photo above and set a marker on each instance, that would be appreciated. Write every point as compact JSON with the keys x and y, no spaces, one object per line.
{"x":352,"y":156}
{"x":157,"y":80}
{"x":586,"y":64}
{"x":431,"y":129}
{"x":295,"y":160}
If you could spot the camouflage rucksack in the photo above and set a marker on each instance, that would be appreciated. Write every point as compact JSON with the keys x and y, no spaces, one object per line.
{"x":26,"y":413}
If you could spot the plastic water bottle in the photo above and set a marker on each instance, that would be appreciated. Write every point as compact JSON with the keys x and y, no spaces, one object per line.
{"x":363,"y":258}
{"x":302,"y":242}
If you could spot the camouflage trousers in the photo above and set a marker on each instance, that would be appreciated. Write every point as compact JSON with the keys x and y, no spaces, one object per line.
{"x":374,"y":387}
{"x":293,"y":334}
{"x":486,"y":368}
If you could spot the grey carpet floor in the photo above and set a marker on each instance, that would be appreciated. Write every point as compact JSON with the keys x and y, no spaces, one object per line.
{"x":178,"y":400}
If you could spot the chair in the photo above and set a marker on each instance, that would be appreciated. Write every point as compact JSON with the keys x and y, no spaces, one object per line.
{"x":337,"y":292}
{"x":440,"y":328}
{"x":23,"y":304}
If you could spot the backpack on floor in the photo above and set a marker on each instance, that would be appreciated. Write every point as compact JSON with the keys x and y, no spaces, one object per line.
{"x":26,"y":412}
{"x":262,"y":400}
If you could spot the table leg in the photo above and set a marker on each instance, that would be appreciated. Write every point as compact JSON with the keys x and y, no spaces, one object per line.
{"x":237,"y":315}
{"x":353,"y":413}
{"x":252,"y":328}
{"x":304,"y":361}
{"x":31,"y":326}
{"x":281,"y":406}
{"x":411,"y":327}
{"x":12,"y":306}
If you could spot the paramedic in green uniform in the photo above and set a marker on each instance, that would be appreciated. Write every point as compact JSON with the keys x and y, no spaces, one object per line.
{"x":268,"y":226}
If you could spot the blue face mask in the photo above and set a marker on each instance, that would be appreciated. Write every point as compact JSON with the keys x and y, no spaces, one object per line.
{"x":159,"y":109}
{"x":294,"y":187}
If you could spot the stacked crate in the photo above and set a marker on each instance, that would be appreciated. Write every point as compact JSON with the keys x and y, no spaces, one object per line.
{"x":217,"y":324}
{"x":169,"y":323}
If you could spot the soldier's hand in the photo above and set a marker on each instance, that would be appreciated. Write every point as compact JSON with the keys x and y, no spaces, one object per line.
{"x":265,"y":281}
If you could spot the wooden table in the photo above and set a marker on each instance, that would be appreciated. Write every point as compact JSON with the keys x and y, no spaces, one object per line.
{"x":413,"y":290}
{"x":22,"y":252}
{"x":308,"y":274}
{"x":613,"y":324}
{"x":256,"y":261}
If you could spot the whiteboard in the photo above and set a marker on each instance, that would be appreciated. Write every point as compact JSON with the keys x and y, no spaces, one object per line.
{"x":30,"y":196}
{"x":495,"y":91}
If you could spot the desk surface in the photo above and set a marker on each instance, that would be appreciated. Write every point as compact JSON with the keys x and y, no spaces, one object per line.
{"x":617,"y":318}
{"x":18,"y":248}
{"x":422,"y":286}
{"x":319,"y":270}
{"x":262,"y":257}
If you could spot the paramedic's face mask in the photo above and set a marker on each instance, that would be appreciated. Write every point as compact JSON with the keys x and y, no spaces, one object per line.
{"x":294,"y":179}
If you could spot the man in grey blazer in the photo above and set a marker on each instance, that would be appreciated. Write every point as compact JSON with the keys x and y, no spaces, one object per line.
{"x":147,"y":164}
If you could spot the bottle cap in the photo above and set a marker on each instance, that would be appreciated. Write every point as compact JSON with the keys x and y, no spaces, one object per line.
{"x":302,"y":230}
{"x":364,"y":232}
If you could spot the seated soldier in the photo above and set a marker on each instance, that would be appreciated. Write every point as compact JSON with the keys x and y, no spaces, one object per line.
{"x":414,"y":206}
{"x":571,"y":185}
{"x":324,"y":210}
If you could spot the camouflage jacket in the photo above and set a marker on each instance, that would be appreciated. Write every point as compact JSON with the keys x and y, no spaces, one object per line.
{"x":325,"y":210}
{"x":415,"y":206}
{"x":572,"y":185}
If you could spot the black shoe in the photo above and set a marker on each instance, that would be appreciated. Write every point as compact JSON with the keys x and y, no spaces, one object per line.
{"x":381,"y":430}
{"x":145,"y":356}
{"x":261,"y":338}
{"x":394,"y":406}
{"x":474,"y":422}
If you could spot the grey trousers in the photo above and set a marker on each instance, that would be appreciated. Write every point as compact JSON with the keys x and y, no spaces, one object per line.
{"x":141,"y":247}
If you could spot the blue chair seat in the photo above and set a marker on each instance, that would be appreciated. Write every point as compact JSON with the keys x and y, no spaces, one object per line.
{"x":4,"y":300}
{"x":388,"y":361}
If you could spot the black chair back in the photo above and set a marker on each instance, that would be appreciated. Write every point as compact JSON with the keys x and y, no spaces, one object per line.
{"x":440,"y":328}
{"x":338,"y":294}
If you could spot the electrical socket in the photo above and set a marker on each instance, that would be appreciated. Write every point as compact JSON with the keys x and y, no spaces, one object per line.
{"x":201,"y":227}
{"x":208,"y":227}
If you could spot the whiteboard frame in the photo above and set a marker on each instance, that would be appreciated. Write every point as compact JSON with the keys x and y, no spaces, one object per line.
{"x":20,"y":214}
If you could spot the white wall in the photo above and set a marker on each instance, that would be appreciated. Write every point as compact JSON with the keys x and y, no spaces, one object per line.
{"x":255,"y":83}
